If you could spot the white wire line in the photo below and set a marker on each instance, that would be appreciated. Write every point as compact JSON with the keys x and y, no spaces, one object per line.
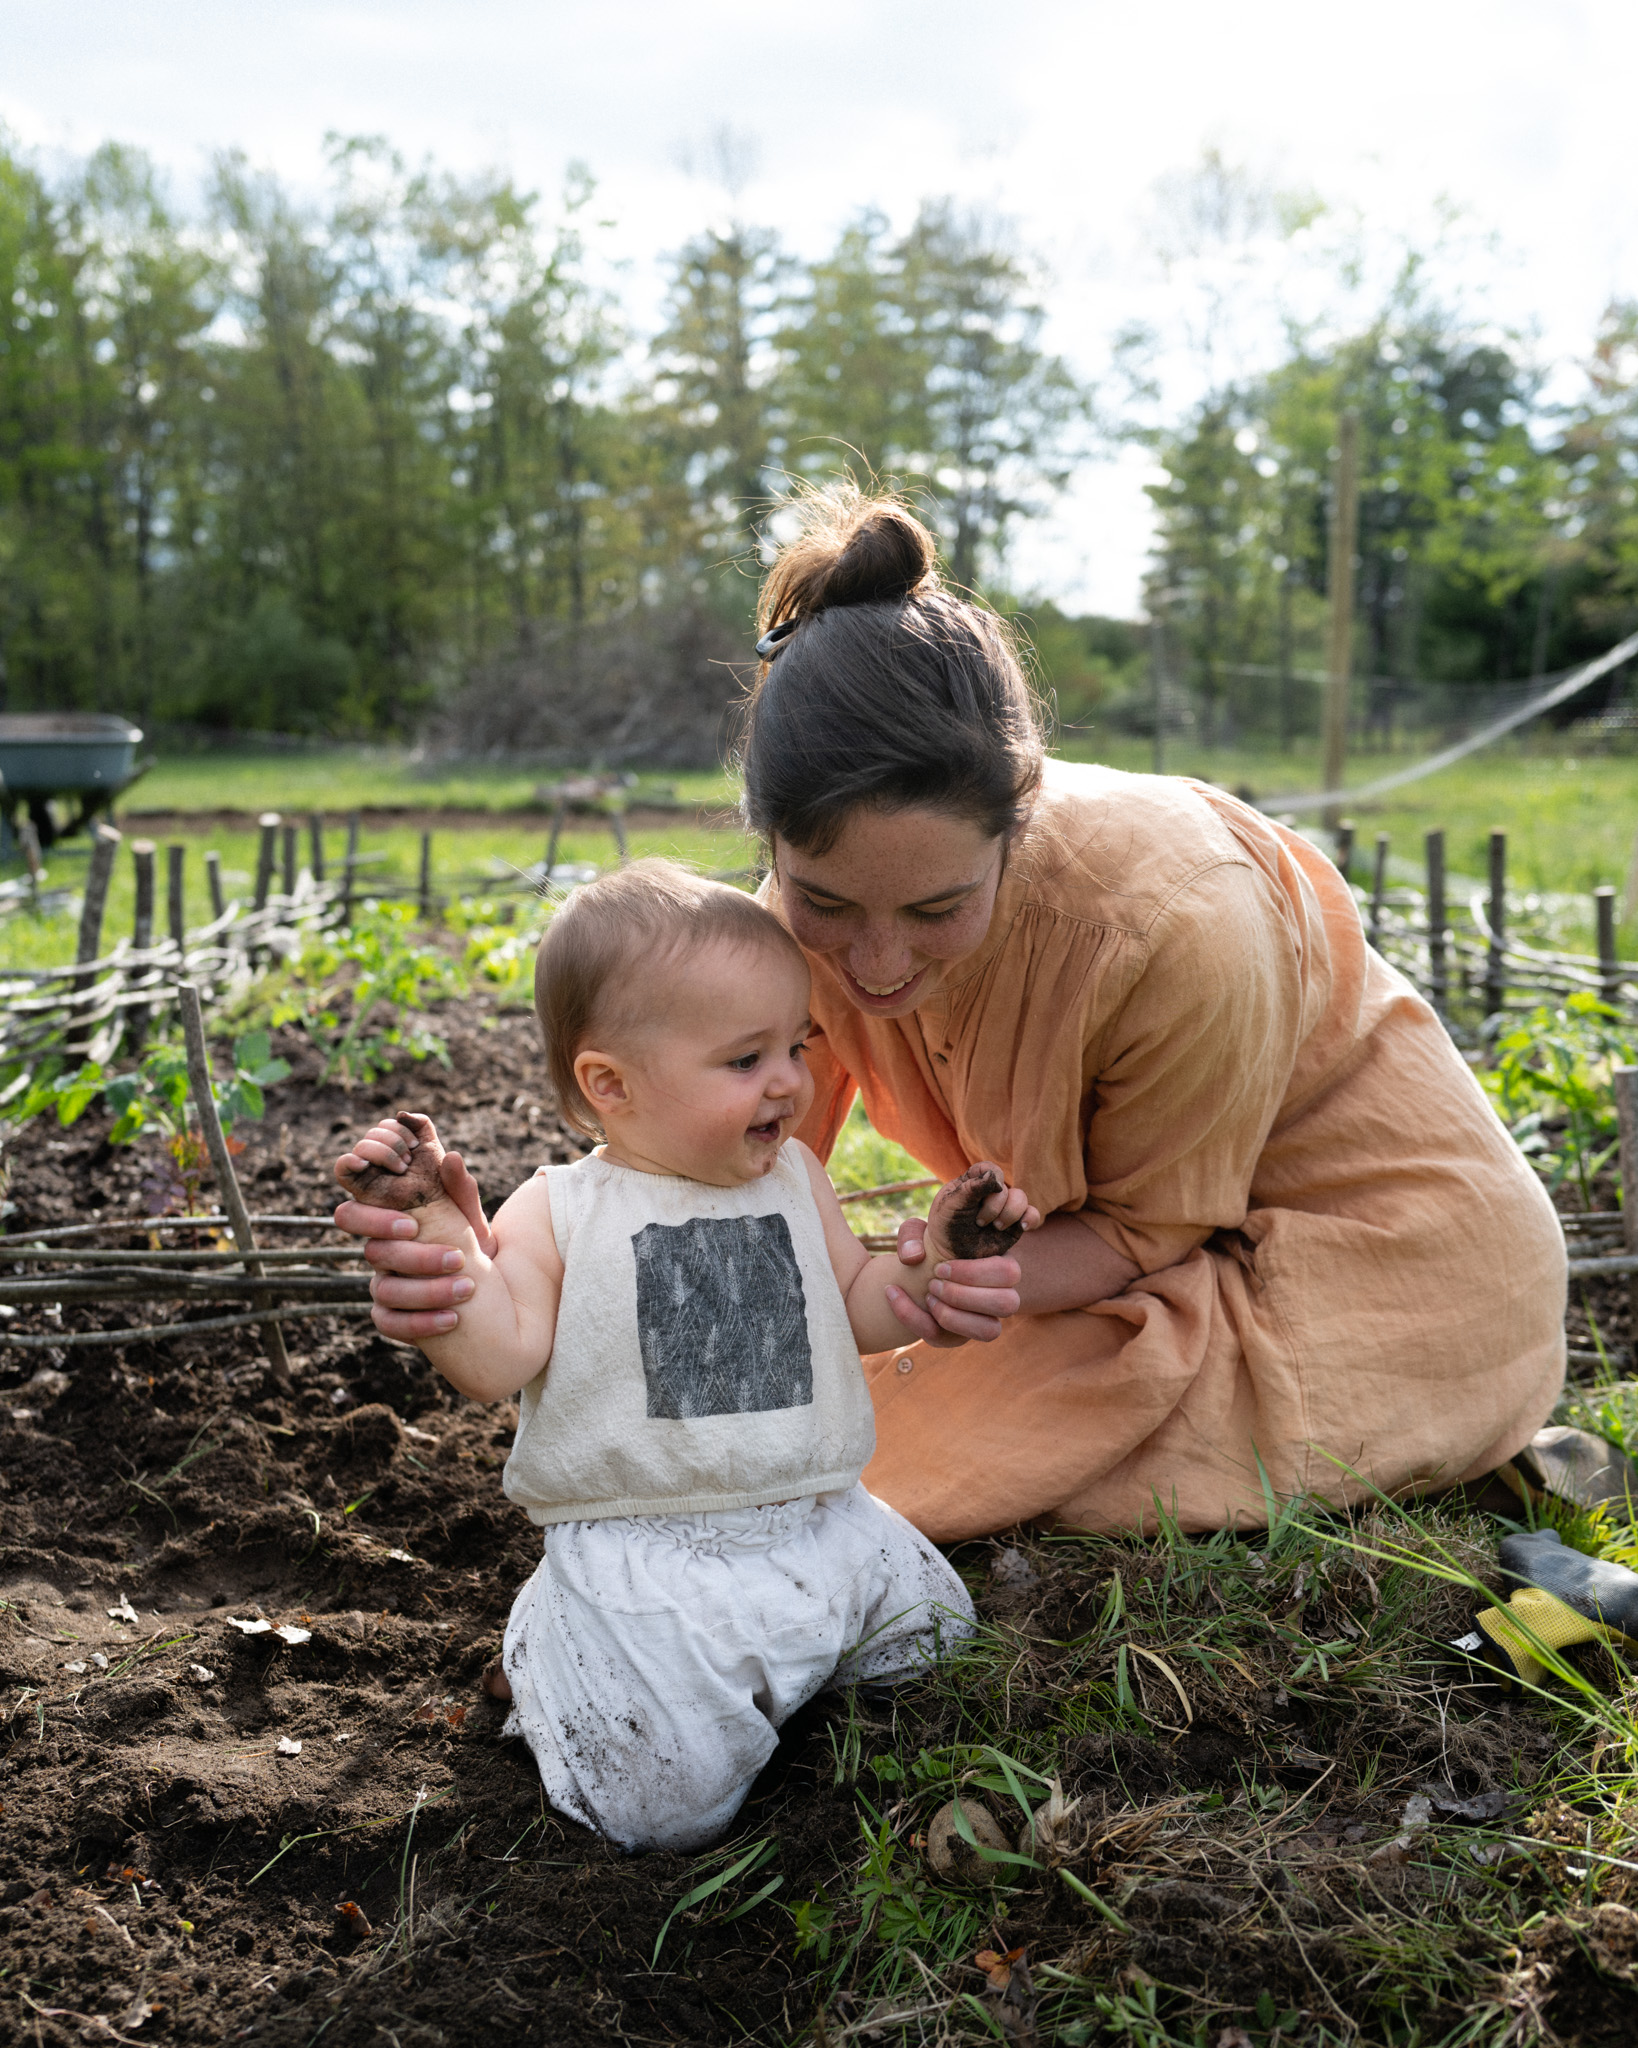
{"x":1557,"y":693}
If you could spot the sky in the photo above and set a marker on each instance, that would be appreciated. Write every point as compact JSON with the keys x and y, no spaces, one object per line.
{"x":1064,"y":119}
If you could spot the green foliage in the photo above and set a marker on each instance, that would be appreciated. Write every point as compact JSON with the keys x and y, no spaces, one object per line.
{"x":363,"y":990}
{"x":1549,"y":1078}
{"x":155,"y":1092}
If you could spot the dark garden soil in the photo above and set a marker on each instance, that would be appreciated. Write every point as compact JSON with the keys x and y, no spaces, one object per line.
{"x":173,"y":1868}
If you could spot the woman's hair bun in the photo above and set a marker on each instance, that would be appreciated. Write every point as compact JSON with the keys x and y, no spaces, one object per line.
{"x":850,"y":550}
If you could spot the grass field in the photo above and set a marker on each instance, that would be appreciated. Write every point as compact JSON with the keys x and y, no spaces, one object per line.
{"x":1570,"y":820}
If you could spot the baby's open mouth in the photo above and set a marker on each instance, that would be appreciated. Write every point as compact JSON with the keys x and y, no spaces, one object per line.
{"x":768,"y":1132}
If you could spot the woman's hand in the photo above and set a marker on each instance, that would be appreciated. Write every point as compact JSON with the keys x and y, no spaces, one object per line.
{"x":418,"y":1286}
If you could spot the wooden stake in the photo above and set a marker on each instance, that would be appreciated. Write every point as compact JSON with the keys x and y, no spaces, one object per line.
{"x":347,"y":871}
{"x":175,"y":855}
{"x":289,"y":861}
{"x":426,"y":874}
{"x":28,"y":839}
{"x":1609,"y":968}
{"x":315,"y":840}
{"x":233,"y":1201}
{"x":213,"y":875}
{"x":1345,"y":846}
{"x":1339,"y":662}
{"x":1625,"y":1083}
{"x":142,"y":938}
{"x":265,"y":856}
{"x":1495,"y":974}
{"x":104,"y":845}
{"x":1438,"y":993}
{"x":1379,"y":888}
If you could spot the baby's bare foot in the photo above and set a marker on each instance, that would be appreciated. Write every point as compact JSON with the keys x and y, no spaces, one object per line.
{"x":494,"y":1680}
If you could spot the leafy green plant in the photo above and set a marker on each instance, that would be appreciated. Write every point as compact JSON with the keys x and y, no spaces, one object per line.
{"x":154,"y":1096}
{"x":364,"y":988}
{"x":1549,"y":1079}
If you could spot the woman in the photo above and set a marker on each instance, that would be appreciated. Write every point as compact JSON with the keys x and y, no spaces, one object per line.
{"x":1290,"y":1248}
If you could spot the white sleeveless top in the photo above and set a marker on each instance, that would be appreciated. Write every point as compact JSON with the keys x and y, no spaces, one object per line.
{"x":703,"y":1358}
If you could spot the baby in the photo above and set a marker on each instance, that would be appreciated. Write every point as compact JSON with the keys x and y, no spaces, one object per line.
{"x":681,"y":1315}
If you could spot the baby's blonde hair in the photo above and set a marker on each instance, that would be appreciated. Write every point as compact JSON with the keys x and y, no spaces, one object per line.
{"x":610,"y":937}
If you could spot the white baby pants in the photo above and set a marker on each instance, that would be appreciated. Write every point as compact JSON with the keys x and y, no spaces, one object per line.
{"x":653,"y":1658}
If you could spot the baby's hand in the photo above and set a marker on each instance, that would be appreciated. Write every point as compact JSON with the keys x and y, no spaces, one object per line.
{"x":396,"y":1165}
{"x":978,"y":1216}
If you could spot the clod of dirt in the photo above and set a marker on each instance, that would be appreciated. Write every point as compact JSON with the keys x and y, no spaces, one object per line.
{"x":954,"y":1215}
{"x":1011,"y":1572}
{"x":951,"y":1855}
{"x":418,"y":1185}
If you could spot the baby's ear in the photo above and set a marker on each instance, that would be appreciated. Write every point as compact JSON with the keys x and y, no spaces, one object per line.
{"x":416,"y":1187}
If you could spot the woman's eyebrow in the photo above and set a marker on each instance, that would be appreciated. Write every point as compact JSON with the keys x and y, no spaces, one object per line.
{"x":921,"y":902}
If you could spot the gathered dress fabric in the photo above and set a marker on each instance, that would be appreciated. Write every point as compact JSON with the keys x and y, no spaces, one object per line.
{"x":1176,"y":1030}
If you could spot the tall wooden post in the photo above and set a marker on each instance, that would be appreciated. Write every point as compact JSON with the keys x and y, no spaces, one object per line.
{"x":617,"y":825}
{"x":213,"y":877}
{"x":1625,"y":1083}
{"x":1379,"y":888}
{"x":425,"y":890}
{"x":347,"y":871}
{"x":104,"y":845}
{"x":1345,"y":846}
{"x":1609,"y":967}
{"x":266,"y":854}
{"x":289,"y":861}
{"x":1339,"y":658}
{"x":315,"y":841}
{"x":142,"y":939}
{"x":233,"y":1201}
{"x":175,"y":906}
{"x":1495,"y":974}
{"x":1438,"y":985}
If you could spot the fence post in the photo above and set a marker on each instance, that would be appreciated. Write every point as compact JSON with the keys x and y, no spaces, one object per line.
{"x":269,"y":822}
{"x":1625,"y":1083}
{"x":347,"y":871}
{"x":1609,"y":968}
{"x":1495,"y":975}
{"x":104,"y":845}
{"x":1339,"y":655}
{"x":289,"y":862}
{"x":213,"y":875}
{"x":1345,"y":846}
{"x":1379,"y":888}
{"x":425,"y":891}
{"x":142,"y":938}
{"x":1438,"y":987}
{"x":315,"y":835}
{"x":233,"y":1201}
{"x":175,"y":906}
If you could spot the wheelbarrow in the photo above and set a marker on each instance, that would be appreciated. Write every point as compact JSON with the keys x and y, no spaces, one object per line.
{"x":86,"y":757}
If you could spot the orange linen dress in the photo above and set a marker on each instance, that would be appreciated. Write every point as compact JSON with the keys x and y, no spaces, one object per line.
{"x":1176,"y":1030}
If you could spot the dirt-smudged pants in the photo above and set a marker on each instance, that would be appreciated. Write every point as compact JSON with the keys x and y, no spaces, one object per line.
{"x":653,"y":1659}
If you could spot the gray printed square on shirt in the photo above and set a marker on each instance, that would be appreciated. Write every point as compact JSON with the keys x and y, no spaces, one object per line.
{"x":721,"y":1317}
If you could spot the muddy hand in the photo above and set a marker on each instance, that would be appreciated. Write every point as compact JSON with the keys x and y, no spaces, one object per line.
{"x":978,"y":1216}
{"x":396,"y":1165}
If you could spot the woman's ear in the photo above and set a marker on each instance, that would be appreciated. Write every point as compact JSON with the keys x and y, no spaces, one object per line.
{"x":602,"y":1079}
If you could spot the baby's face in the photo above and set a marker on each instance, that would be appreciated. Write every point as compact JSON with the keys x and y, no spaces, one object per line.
{"x":717,"y":1081}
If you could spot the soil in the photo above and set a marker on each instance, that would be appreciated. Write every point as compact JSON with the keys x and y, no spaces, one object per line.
{"x":219,"y":1832}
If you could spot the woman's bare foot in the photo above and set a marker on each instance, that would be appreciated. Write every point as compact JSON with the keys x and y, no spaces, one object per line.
{"x":494,"y":1680}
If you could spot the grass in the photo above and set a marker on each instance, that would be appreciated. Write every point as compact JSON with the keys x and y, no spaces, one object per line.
{"x":1570,"y":821}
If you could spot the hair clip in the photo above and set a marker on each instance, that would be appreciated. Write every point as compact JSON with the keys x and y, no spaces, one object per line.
{"x":775,"y":637}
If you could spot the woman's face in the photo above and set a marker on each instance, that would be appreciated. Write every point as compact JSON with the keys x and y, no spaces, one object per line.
{"x":896,"y":904}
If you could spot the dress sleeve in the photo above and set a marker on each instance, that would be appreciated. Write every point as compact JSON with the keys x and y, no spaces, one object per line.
{"x":833,"y":1091}
{"x":1193,"y":1068}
